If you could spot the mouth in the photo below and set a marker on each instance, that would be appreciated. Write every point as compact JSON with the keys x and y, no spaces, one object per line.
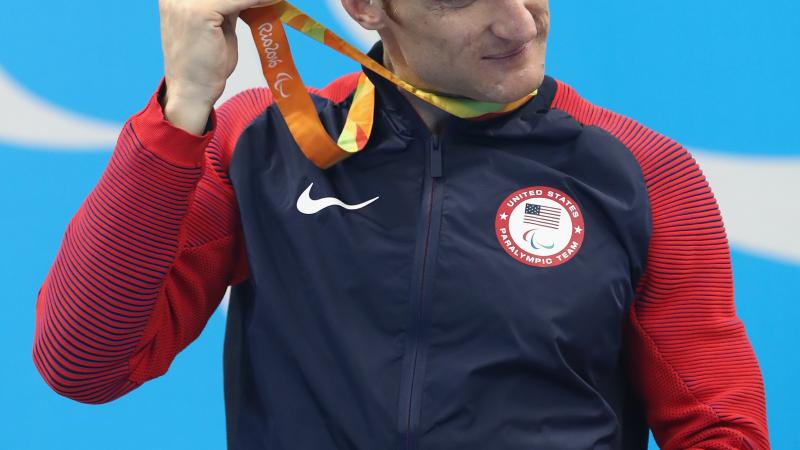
{"x":509,"y":55}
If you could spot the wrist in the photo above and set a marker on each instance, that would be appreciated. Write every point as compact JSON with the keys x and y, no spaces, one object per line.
{"x":188,"y":108}
{"x":187,"y":114}
{"x":164,"y":139}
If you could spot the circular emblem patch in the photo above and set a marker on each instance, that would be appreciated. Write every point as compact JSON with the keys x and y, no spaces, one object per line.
{"x":540,"y":226}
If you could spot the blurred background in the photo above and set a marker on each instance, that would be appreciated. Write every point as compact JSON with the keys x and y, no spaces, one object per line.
{"x":718,"y":76}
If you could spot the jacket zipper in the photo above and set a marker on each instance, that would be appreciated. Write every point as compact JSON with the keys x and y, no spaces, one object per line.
{"x":417,"y":330}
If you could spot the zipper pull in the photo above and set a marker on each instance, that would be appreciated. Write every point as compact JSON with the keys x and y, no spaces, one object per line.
{"x":436,"y":158}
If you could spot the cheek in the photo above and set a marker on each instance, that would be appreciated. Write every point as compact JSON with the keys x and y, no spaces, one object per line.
{"x":446,"y":38}
{"x":445,"y":53}
{"x":459,"y":50}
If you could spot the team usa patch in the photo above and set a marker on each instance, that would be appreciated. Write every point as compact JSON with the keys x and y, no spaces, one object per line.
{"x":540,"y":226}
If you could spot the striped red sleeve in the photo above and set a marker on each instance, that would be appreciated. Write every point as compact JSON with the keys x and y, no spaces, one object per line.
{"x":146,"y":259}
{"x":689,"y":357}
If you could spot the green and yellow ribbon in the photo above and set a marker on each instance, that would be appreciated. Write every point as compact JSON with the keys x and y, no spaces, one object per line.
{"x":294,"y":102}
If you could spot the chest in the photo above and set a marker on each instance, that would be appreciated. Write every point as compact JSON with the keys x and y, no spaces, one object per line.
{"x":532,"y":240}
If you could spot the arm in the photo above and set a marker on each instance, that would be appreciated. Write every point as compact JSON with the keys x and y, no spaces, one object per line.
{"x":147,"y":257}
{"x":689,"y":356}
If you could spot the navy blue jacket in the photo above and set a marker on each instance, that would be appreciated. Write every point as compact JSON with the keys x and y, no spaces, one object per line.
{"x":405,"y":324}
{"x":556,"y":277}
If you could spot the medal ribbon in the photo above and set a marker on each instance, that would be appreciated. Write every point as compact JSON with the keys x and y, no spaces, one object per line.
{"x":294,"y":102}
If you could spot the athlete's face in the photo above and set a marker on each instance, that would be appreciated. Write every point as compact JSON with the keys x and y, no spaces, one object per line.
{"x":462,"y":47}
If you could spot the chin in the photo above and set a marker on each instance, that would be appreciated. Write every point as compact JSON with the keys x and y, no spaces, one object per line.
{"x":507,"y":93}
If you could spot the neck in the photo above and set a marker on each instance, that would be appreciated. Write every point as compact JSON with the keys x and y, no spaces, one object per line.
{"x":432,"y":116}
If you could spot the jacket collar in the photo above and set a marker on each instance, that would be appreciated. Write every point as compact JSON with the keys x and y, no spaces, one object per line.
{"x":513,"y":124}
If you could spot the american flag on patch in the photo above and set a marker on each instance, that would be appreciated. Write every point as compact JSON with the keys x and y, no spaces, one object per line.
{"x":543,"y":216}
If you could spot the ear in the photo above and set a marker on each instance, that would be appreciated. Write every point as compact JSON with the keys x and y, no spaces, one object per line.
{"x":368,"y":13}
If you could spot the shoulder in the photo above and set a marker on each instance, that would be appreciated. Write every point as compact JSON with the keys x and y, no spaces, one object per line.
{"x":339,"y":89}
{"x":259,"y":98}
{"x":646,"y":145}
{"x":665,"y":164}
{"x":684,"y":213}
{"x":241,"y":110}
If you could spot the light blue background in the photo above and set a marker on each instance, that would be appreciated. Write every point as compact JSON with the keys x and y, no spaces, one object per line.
{"x":718,"y":75}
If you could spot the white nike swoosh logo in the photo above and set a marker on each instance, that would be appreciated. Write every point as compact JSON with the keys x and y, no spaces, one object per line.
{"x":308,"y":205}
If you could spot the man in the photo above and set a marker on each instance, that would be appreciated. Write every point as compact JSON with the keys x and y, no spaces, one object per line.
{"x":553,"y":277}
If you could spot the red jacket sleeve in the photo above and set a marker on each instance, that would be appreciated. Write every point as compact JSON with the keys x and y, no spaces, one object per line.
{"x":146,"y":259}
{"x":689,"y":357}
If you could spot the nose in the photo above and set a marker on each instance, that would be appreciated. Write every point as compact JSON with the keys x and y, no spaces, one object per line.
{"x":513,"y":21}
